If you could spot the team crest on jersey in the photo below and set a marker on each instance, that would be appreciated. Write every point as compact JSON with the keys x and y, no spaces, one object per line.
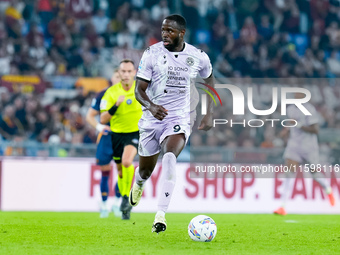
{"x":129,"y":101}
{"x":190,"y":61}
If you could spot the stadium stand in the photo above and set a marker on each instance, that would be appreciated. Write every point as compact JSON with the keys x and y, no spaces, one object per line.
{"x":55,"y":44}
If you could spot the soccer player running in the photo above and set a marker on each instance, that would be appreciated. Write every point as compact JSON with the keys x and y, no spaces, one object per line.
{"x":120,"y":107}
{"x":302,"y":147}
{"x":104,"y":153}
{"x":165,"y":88}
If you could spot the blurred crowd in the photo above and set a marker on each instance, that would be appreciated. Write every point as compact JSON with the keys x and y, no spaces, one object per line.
{"x":24,"y":118}
{"x":277,"y":38}
{"x":244,"y":38}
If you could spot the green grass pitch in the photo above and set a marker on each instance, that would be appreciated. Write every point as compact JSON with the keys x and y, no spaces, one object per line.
{"x":86,"y":233}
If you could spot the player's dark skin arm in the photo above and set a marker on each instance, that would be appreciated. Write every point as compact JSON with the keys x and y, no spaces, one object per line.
{"x":313,"y":129}
{"x":207,"y":121}
{"x":158,"y":111}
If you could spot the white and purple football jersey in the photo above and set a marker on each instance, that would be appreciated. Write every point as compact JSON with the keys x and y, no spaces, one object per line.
{"x":172,"y":84}
{"x":172,"y":77}
{"x":302,"y":146}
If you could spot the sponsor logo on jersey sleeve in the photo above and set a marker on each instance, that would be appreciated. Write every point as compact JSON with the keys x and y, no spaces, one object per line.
{"x":94,"y":101}
{"x":103,"y":104}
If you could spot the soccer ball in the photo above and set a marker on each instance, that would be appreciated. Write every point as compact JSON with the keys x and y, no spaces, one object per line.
{"x":202,"y":228}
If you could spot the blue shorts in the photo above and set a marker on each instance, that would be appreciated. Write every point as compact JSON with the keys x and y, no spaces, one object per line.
{"x":104,"y":153}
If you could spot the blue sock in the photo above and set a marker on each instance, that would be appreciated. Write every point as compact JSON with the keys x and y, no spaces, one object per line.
{"x":117,"y":193}
{"x":104,"y":185}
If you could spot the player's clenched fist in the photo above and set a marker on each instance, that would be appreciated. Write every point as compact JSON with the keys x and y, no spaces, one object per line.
{"x":158,"y":111}
{"x":120,"y":100}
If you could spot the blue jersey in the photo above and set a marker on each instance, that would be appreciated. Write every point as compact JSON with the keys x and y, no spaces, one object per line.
{"x":96,"y":102}
{"x":104,"y":152}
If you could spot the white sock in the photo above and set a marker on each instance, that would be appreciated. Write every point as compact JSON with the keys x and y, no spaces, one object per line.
{"x":116,"y":201}
{"x":138,"y":179}
{"x":160,"y":213}
{"x":287,"y":188}
{"x":103,"y":205}
{"x":169,"y":179}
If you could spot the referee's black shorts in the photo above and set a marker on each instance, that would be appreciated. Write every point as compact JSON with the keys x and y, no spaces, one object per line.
{"x":120,"y":140}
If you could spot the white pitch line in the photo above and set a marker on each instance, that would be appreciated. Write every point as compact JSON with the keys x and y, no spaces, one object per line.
{"x":291,"y":221}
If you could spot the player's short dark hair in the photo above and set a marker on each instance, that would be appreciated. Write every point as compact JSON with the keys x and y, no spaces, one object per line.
{"x":180,"y":20}
{"x":126,"y":60}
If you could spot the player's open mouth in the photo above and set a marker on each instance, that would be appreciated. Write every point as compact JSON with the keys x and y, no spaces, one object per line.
{"x":165,"y":43}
